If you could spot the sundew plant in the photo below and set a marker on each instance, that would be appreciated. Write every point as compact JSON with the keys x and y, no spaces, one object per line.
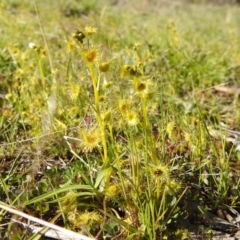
{"x":111,"y":116}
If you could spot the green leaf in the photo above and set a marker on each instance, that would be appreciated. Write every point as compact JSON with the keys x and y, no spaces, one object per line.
{"x":57,"y":191}
{"x":101,"y":175}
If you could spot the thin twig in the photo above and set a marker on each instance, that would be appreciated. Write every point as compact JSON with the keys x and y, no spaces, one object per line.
{"x":60,"y":230}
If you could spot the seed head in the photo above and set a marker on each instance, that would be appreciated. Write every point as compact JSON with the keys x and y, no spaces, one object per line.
{"x":78,"y":36}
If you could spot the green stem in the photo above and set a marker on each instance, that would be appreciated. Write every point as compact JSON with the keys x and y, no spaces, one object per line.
{"x":148,"y":131}
{"x":98,"y":112}
{"x":41,"y":69}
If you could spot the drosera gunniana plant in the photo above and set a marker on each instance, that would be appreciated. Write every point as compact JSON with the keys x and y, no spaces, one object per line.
{"x":125,"y":169}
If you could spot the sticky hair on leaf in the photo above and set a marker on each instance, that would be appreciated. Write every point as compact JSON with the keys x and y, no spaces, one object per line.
{"x":104,"y":67}
{"x":90,"y":30}
{"x":91,"y":55}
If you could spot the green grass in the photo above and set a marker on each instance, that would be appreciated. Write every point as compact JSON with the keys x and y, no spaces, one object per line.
{"x":111,"y":131}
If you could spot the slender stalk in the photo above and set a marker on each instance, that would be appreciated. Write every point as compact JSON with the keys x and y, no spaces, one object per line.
{"x":41,"y":70}
{"x":148,"y":132}
{"x":98,"y":111}
{"x":43,"y":36}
